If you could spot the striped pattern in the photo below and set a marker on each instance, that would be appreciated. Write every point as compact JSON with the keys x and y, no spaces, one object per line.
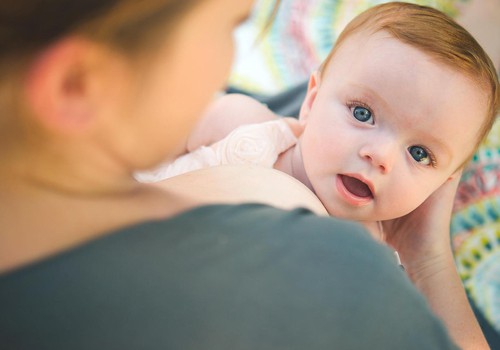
{"x":300,"y":38}
{"x":475,"y":227}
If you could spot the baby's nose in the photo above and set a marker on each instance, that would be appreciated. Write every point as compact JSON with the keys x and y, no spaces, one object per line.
{"x":380,"y":155}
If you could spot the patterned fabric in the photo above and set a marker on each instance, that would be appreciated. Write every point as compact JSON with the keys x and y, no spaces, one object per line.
{"x":475,"y":228}
{"x":300,"y":38}
{"x":298,"y":41}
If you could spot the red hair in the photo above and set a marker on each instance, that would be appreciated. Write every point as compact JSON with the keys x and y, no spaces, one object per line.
{"x":438,"y":36}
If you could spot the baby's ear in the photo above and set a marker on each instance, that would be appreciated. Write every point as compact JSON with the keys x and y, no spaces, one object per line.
{"x":456,"y":174}
{"x":312,"y":91}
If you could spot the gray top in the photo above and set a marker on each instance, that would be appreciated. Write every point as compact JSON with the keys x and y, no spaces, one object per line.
{"x":220,"y":277}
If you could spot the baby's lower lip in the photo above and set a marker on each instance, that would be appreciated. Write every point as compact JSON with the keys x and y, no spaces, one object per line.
{"x":348,"y":196}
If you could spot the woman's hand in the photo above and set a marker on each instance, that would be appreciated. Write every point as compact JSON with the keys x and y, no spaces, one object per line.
{"x":422,"y":237}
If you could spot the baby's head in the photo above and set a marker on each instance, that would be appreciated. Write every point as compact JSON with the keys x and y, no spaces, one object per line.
{"x":436,"y":35}
{"x":395,"y":111}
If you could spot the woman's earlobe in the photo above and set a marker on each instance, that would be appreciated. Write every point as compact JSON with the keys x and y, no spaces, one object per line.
{"x":312,"y":91}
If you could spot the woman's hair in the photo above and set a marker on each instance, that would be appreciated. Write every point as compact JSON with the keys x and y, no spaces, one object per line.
{"x":27,"y":26}
{"x":435,"y":34}
{"x":133,"y":27}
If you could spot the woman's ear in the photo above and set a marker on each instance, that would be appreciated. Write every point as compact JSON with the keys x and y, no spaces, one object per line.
{"x":60,"y":87}
{"x":312,"y":91}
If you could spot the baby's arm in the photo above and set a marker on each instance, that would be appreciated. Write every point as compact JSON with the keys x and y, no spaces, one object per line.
{"x":224,"y":115}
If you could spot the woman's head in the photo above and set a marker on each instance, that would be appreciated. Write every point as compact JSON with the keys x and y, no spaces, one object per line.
{"x":129,"y":76}
{"x":436,"y":35}
{"x":29,"y":26}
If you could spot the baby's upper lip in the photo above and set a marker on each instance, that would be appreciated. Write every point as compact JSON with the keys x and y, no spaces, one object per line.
{"x":364,"y":180}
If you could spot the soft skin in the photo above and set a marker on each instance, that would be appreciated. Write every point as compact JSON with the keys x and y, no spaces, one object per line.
{"x":412,"y":105}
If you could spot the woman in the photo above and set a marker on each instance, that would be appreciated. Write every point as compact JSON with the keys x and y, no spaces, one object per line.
{"x":92,"y":92}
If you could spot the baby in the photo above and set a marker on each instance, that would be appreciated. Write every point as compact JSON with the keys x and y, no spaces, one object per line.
{"x":395,"y":111}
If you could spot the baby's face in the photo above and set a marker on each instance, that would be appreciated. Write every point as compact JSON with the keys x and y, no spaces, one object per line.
{"x":387,"y":126}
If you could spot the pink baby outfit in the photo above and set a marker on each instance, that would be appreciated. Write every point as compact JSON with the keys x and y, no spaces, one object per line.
{"x":252,"y":144}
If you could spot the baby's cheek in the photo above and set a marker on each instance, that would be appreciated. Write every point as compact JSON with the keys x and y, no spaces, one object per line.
{"x":415,"y":197}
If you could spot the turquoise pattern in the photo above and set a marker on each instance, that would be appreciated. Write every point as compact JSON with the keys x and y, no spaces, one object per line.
{"x":475,"y":227}
{"x":300,"y":38}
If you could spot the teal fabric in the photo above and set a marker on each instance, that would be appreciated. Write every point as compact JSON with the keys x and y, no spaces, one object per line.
{"x":220,"y":277}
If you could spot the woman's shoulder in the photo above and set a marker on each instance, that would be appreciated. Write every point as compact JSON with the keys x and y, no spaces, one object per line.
{"x":264,"y":223}
{"x":244,"y":184}
{"x":187,"y":193}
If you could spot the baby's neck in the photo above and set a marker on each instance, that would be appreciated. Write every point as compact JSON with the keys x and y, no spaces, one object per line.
{"x":290,"y":162}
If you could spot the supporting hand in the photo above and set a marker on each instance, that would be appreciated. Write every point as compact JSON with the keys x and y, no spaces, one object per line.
{"x":422,"y":236}
{"x":422,"y":239}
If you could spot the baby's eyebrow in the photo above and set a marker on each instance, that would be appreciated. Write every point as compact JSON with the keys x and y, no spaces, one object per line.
{"x":439,"y":148}
{"x":371,"y":94}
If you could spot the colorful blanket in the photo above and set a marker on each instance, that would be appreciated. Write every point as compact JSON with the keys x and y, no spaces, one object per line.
{"x":298,"y":41}
{"x":300,"y":38}
{"x":475,"y":228}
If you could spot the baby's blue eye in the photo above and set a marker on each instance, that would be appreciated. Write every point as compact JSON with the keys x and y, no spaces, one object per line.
{"x":362,"y":114}
{"x":420,"y":155}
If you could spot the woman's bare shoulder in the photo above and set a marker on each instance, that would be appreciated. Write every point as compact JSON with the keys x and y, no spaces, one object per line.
{"x":244,"y":184}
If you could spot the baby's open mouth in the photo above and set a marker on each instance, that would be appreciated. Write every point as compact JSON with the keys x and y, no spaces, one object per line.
{"x":356,"y":187}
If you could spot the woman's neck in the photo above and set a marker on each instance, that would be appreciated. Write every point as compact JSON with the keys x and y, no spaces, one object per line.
{"x":36,"y":222}
{"x":64,"y":168}
{"x":50,"y":203}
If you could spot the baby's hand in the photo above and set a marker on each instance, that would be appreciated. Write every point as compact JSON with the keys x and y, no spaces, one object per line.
{"x":252,"y":144}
